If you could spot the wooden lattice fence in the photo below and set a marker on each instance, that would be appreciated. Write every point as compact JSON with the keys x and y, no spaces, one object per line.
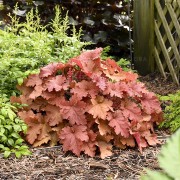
{"x":164,"y":23}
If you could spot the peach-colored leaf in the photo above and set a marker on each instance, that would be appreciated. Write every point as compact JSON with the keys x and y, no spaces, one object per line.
{"x":103,"y":127}
{"x":100,"y":106}
{"x":105,"y":149}
{"x":42,"y":141}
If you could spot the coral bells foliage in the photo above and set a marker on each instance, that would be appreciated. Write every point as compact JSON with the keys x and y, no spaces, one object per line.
{"x":88,"y":104}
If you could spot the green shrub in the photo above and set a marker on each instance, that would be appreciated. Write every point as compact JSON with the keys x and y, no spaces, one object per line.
{"x":172,"y":111}
{"x":169,"y":161}
{"x":10,"y":128}
{"x":27,"y":46}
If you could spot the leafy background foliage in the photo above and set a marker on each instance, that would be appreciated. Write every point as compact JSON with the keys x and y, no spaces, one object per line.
{"x":88,"y":103}
{"x":10,"y":128}
{"x":105,"y":23}
{"x":169,"y":160}
{"x":27,"y":46}
{"x":172,"y":111}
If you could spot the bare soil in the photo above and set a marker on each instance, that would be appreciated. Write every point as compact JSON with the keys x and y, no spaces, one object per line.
{"x":52,"y":163}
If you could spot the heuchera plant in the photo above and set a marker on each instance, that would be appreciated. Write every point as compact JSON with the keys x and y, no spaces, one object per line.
{"x":88,"y":104}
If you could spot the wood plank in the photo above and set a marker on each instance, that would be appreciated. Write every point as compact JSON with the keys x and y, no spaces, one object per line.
{"x":166,"y":55}
{"x":158,"y":62}
{"x":171,"y":25}
{"x":144,"y":36}
{"x":174,"y":18}
{"x":178,"y":3}
{"x":169,"y":35}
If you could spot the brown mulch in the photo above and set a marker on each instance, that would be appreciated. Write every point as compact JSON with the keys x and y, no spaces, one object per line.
{"x":52,"y":163}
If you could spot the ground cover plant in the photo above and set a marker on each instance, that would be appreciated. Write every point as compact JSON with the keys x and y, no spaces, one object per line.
{"x":169,"y":160}
{"x":27,"y":46}
{"x":88,"y":105}
{"x":172,"y":111}
{"x":10,"y":128}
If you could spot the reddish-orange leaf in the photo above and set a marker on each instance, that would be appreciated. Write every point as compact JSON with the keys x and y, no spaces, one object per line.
{"x":120,"y":124}
{"x":73,"y":138}
{"x":114,"y":89}
{"x":36,"y":92}
{"x":53,"y":115}
{"x":34,"y":125}
{"x":136,"y":89}
{"x":85,"y":88}
{"x":150,"y":103}
{"x":26,"y":91}
{"x":48,"y":70}
{"x":38,"y":104}
{"x":151,"y":138}
{"x":131,"y":110}
{"x":89,"y":147}
{"x":57,"y":83}
{"x":73,"y":110}
{"x":33,"y":80}
{"x":100,"y":81}
{"x":88,"y":61}
{"x":140,"y":141}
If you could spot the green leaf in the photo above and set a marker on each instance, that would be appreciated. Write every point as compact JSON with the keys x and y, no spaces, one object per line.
{"x":20,"y":81}
{"x":19,"y":141}
{"x":24,"y":128}
{"x":2,"y":117}
{"x":17,"y":128}
{"x":1,"y":146}
{"x":26,"y":152}
{"x":4,"y":139}
{"x":7,"y":154}
{"x":2,"y":130}
{"x":152,"y":175}
{"x":169,"y":158}
{"x":18,"y":154}
{"x":9,"y":127}
{"x":11,"y":142}
{"x":23,"y":148}
{"x":15,"y":135}
{"x":4,"y":112}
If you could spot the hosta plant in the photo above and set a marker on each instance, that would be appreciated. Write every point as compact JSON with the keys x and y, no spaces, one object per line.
{"x":10,"y":129}
{"x":88,"y":104}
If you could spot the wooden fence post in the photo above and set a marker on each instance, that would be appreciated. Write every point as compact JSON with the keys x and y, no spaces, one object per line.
{"x":144,"y":36}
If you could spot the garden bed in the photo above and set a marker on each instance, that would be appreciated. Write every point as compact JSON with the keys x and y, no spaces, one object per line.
{"x":52,"y":163}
